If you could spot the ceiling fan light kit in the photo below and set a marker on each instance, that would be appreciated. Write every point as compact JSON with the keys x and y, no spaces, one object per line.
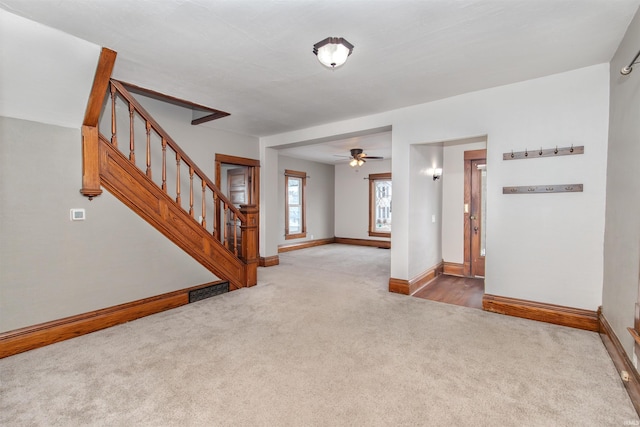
{"x":358,"y":157}
{"x":332,"y":52}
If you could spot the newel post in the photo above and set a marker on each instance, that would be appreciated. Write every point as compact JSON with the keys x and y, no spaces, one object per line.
{"x":249,"y":230}
{"x":90,"y":151}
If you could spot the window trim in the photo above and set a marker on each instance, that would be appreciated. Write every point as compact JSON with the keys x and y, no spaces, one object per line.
{"x":372,"y":186}
{"x":303,"y":214}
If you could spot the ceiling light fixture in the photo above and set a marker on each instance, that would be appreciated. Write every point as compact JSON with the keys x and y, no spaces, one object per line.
{"x":332,"y":52}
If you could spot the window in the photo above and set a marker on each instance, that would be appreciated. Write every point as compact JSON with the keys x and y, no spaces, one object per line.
{"x":380,"y":205}
{"x":295,"y":226}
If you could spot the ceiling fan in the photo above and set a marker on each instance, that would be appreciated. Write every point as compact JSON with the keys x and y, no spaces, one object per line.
{"x":358,"y":157}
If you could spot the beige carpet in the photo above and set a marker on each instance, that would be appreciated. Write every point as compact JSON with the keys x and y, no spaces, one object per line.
{"x":319,"y":342}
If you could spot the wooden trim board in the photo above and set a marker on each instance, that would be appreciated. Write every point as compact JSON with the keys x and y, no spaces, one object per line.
{"x":32,"y":337}
{"x":269,"y":261}
{"x":549,"y":313}
{"x":384,"y":244}
{"x":453,"y":269}
{"x":411,"y":286}
{"x":306,"y":244}
{"x":209,"y":113}
{"x":620,"y":360}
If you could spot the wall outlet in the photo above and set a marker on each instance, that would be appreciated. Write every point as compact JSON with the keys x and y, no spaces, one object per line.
{"x":433,"y":218}
{"x":311,"y":236}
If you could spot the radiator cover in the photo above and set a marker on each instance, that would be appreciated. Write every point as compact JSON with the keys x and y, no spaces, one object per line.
{"x":208,"y":291}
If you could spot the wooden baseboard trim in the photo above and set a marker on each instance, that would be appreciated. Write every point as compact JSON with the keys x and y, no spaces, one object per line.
{"x":306,"y":244}
{"x":410,"y":287}
{"x":269,"y":261}
{"x":549,"y":313}
{"x":364,"y":242}
{"x":453,"y":269}
{"x":36,"y":336}
{"x":620,"y":360}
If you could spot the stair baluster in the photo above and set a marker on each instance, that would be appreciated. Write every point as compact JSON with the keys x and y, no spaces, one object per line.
{"x":164,"y":165}
{"x":148,"y":149}
{"x":236,"y":267}
{"x":178,"y":199}
{"x":114,"y":135}
{"x":132,"y":146}
{"x":204,"y":205}
{"x":191,"y":191}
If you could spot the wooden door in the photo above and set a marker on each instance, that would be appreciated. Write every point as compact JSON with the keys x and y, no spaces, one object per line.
{"x":474,"y":212}
{"x":477,"y":217}
{"x":238,"y":193}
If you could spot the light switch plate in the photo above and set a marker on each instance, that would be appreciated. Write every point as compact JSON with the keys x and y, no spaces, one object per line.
{"x":77,"y":215}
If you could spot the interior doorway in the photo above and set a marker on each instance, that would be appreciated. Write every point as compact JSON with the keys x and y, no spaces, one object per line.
{"x":475,"y":186}
{"x":239,"y":180}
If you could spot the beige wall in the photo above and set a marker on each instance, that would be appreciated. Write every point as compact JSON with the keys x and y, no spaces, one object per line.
{"x":562,"y":233}
{"x":352,"y":199}
{"x":425,"y":209}
{"x":622,"y":229}
{"x":453,"y":198}
{"x":51,"y":267}
{"x":319,"y":198}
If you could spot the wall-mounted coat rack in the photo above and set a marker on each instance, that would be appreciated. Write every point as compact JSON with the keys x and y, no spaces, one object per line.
{"x":536,"y":189}
{"x":547,"y":152}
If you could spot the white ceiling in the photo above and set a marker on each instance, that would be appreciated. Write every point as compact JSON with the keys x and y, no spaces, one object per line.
{"x":332,"y":151}
{"x":253,"y":58}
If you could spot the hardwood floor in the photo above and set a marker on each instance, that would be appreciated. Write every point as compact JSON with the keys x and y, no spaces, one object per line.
{"x":465,"y":291}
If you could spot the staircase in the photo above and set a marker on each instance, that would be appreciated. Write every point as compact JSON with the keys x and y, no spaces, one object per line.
{"x":142,"y":166}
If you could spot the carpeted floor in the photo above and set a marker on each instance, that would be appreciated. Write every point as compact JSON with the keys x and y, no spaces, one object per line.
{"x":319,"y":342}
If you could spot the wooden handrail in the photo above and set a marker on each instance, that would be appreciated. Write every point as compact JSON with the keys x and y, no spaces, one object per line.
{"x":122,"y":91}
{"x":229,"y":252}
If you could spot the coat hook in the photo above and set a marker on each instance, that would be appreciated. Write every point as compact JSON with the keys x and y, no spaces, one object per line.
{"x":512,"y":154}
{"x":556,"y":151}
{"x":540,"y":152}
{"x":571,"y":150}
{"x":526,"y":153}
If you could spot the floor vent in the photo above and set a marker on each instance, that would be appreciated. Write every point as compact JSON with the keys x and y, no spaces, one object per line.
{"x":208,"y":292}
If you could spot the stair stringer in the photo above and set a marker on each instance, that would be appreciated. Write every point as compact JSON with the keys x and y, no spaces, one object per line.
{"x":132,"y":187}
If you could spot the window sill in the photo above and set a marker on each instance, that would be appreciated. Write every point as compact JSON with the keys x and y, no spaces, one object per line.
{"x":376,"y":234}
{"x":295,"y":236}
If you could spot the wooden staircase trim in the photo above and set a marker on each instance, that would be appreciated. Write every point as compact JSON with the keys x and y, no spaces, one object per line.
{"x":40,"y":335}
{"x":106,"y":62}
{"x":175,"y":147}
{"x":90,"y":174}
{"x":213,"y":114}
{"x":132,"y":187}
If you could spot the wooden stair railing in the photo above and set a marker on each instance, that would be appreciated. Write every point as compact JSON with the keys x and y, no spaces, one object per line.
{"x":222,"y":238}
{"x":223,"y":208}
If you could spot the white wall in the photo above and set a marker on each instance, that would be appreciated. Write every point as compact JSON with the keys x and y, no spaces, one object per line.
{"x":46,"y":82}
{"x":622,"y":231}
{"x":200,"y":142}
{"x":425,"y":209}
{"x":542,"y":247}
{"x":352,"y":199}
{"x":453,"y":198}
{"x":319,"y":197}
{"x":51,"y":267}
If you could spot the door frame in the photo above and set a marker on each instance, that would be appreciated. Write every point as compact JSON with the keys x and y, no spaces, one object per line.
{"x":469,"y":156}
{"x":254,"y":177}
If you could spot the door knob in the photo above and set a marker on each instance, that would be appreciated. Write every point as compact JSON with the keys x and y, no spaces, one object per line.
{"x":473,"y":217}
{"x":475,"y":229}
